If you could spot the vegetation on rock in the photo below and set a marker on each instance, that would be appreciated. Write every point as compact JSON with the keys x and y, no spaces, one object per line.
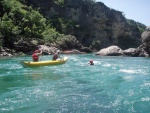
{"x":18,"y":21}
{"x":52,"y":22}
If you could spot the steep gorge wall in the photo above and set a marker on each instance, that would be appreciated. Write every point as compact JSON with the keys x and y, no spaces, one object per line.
{"x":94,"y":22}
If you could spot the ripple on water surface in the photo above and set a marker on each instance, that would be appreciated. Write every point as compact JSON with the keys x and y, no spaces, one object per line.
{"x":113,"y":84}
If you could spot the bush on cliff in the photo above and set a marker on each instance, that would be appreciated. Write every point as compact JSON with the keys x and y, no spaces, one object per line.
{"x":20,"y":21}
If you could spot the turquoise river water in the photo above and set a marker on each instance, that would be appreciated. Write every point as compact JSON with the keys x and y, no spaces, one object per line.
{"x":112,"y":85}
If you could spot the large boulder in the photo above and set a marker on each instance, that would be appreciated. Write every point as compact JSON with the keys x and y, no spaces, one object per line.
{"x":146,"y":35}
{"x":110,"y":51}
{"x":68,"y":41}
{"x":27,"y":46}
{"x":5,"y":52}
{"x":145,"y":46}
{"x":134,"y":52}
{"x":47,"y":50}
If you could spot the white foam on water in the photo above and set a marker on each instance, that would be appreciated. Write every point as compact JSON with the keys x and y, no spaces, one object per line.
{"x":131,"y":92}
{"x":128,"y":78}
{"x":145,"y":99}
{"x":128,"y":71}
{"x":132,"y":71}
{"x":146,"y":84}
{"x":107,"y":65}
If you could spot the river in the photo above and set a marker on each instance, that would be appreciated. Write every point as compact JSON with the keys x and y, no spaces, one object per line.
{"x":111,"y":85}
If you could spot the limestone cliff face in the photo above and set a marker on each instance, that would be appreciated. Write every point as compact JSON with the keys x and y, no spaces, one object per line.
{"x":94,"y":22}
{"x":145,"y":46}
{"x":142,"y":51}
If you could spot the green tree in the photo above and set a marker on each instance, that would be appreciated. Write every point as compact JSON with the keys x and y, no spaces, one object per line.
{"x":21,"y":21}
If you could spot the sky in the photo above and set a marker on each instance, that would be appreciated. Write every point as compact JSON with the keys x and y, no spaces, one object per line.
{"x":137,"y":10}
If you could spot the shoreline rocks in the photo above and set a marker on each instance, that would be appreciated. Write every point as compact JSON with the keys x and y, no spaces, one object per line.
{"x":73,"y":51}
{"x":142,"y":51}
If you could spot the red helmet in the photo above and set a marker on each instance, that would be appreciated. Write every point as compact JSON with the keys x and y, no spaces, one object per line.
{"x":36,"y":51}
{"x":91,"y":61}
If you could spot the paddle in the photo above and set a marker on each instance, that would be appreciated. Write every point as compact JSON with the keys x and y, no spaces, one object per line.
{"x":40,"y":55}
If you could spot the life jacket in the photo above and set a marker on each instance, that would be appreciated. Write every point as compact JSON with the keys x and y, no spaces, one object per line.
{"x":92,"y":63}
{"x":35,"y":57}
{"x":55,"y":56}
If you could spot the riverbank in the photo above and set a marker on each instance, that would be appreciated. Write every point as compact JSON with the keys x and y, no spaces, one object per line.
{"x":142,"y":51}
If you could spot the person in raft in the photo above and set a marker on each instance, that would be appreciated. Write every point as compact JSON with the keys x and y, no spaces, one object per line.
{"x":35,"y":55}
{"x":91,"y":62}
{"x":56,"y":55}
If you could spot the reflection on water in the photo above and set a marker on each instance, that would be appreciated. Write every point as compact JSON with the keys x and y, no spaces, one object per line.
{"x":48,"y":76}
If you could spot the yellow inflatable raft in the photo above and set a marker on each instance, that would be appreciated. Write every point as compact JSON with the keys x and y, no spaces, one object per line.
{"x":44,"y":63}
